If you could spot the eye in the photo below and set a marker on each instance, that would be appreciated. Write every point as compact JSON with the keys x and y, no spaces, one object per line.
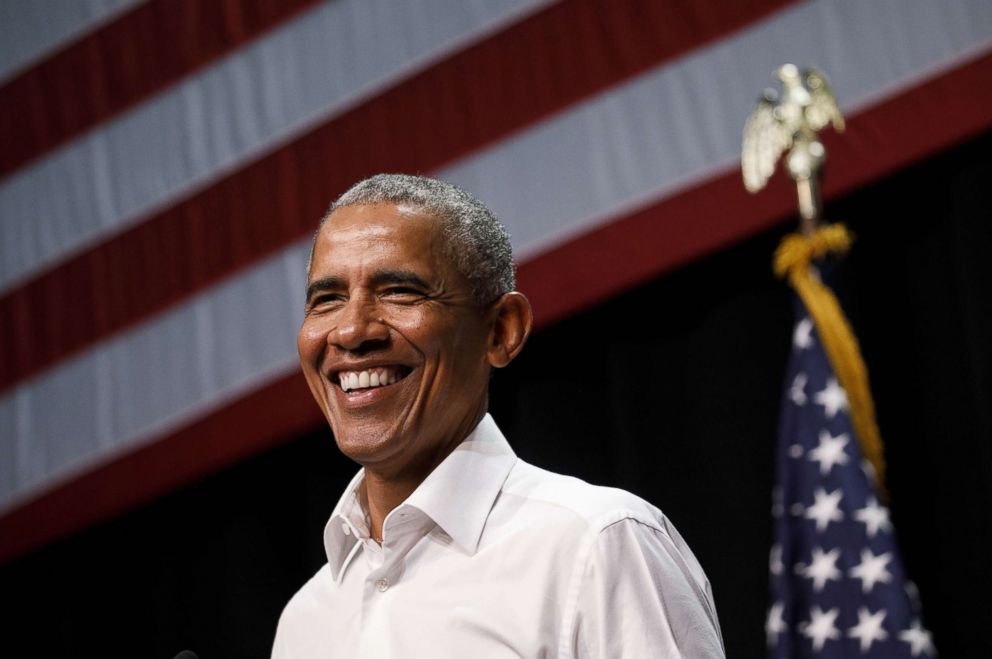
{"x":324,"y":301}
{"x":402,"y":294}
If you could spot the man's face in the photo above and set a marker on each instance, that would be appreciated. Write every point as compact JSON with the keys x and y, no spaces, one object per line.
{"x":393,"y":347}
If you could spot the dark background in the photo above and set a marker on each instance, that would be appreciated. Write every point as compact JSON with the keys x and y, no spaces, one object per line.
{"x":670,"y":391}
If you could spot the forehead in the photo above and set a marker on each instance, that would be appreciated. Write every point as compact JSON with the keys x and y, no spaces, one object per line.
{"x":382,"y":233}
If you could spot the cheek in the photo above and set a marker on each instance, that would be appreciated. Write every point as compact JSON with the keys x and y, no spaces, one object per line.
{"x":460,"y":356}
{"x":452,"y":345}
{"x":310,"y":342}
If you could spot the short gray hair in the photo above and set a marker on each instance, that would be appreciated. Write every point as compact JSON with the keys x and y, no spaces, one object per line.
{"x":475,"y":241}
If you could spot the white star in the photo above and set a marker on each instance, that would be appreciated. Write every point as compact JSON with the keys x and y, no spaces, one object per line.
{"x":775,"y":624}
{"x":797,"y":391}
{"x":833,"y":398}
{"x":801,"y":335}
{"x":822,"y":568}
{"x":871,"y":569}
{"x":825,"y":508}
{"x":874,"y":517}
{"x":820,"y":626}
{"x":830,"y":451}
{"x":869,"y":628}
{"x":919,"y":639}
{"x":775,"y":565}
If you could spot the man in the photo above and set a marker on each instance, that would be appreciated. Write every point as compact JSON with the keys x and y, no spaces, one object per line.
{"x":446,"y":544}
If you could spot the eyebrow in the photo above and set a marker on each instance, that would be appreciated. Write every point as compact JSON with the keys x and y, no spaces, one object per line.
{"x":323,"y":284}
{"x":378,"y":278}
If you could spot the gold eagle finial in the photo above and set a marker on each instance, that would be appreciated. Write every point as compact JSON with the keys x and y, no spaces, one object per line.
{"x":807,"y":105}
{"x":790,"y":124}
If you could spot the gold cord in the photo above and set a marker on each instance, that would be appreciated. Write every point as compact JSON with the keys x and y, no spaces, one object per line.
{"x":793,"y":260}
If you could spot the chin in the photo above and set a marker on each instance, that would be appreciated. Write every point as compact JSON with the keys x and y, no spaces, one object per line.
{"x":366,"y":443}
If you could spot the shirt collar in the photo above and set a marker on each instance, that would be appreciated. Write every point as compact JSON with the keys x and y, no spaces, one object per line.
{"x":457,"y":495}
{"x":341,"y":532}
{"x":460,"y":492}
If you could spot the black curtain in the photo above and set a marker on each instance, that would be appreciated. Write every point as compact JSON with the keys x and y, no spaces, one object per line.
{"x":671,"y":391}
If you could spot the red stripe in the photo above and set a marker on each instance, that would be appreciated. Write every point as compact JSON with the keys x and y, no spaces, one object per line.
{"x":121,"y":64}
{"x":629,"y":251}
{"x":537,"y":67}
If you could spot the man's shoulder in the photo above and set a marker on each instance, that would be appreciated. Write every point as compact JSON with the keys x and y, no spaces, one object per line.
{"x":574,"y":500}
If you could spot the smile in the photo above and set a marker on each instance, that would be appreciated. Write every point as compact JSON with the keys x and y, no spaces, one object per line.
{"x":379,"y":376}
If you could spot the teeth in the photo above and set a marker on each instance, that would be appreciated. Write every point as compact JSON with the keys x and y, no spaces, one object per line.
{"x":377,"y":377}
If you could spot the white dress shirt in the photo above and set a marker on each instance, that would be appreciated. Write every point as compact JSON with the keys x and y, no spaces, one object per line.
{"x":493,"y":557}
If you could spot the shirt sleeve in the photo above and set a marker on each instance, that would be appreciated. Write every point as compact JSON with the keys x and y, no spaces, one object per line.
{"x":279,"y":644}
{"x":643,"y":594}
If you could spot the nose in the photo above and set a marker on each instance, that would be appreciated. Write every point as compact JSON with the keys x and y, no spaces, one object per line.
{"x":359,"y":327}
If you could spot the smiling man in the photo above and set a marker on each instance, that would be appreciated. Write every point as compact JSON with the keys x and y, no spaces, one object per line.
{"x":446,"y":544}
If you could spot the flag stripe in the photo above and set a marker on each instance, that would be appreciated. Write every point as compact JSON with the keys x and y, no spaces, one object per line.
{"x":154,"y":378}
{"x":224,"y":117}
{"x":248,"y":426}
{"x":641,"y":245}
{"x":272,"y":202}
{"x":589,"y":268}
{"x":32,"y":31}
{"x":121,"y":64}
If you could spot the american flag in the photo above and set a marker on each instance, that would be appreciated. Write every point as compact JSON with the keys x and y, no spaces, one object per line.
{"x":837,"y":581}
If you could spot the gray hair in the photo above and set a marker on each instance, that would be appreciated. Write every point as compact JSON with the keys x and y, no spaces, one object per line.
{"x":475,"y":241}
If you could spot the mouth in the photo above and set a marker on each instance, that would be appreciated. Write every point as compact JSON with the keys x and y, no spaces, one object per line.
{"x":370,"y":378}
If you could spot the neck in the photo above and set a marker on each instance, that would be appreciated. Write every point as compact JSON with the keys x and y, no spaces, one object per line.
{"x":385,"y":489}
{"x":380,"y":496}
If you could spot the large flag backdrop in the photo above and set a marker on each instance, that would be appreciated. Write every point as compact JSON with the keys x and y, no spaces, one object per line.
{"x":164,"y":162}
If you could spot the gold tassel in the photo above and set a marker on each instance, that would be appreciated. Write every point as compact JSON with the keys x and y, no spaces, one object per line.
{"x":792,"y":260}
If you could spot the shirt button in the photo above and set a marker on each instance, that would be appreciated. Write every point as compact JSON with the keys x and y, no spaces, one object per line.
{"x":382,"y":585}
{"x":345,"y":529}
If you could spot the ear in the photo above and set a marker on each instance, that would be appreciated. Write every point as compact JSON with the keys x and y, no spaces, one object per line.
{"x":512,"y":320}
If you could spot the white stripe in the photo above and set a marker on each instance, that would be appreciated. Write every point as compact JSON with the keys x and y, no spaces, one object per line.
{"x":634,"y":144}
{"x":256,"y":99}
{"x":31,"y":30}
